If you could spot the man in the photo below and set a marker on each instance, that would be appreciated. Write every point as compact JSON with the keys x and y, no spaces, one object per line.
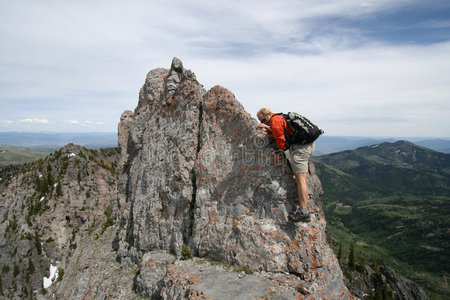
{"x":297,"y":154}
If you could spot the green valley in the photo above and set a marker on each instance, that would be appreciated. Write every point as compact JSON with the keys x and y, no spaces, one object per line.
{"x":15,"y":155}
{"x":392,"y":202}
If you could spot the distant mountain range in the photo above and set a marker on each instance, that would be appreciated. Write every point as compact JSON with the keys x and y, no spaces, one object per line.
{"x":55,"y":140}
{"x":330,"y":144}
{"x":393,"y":200}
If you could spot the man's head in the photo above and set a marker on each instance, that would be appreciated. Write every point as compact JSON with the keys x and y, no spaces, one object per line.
{"x":264,"y":115}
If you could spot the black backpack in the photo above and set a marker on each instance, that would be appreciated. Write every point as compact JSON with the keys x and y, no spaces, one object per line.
{"x":305,"y":131}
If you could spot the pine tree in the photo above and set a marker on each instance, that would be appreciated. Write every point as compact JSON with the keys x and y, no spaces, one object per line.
{"x":351,"y":258}
{"x":31,"y":267}
{"x":43,"y":188}
{"x":37,"y":241}
{"x":16,"y":270}
{"x":59,"y":189}
{"x":339,"y":256}
{"x":49,"y":179}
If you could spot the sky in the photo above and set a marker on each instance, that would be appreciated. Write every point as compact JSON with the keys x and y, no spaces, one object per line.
{"x":353,"y":67}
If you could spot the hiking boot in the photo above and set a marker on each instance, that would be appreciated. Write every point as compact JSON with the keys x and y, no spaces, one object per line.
{"x":300,"y":215}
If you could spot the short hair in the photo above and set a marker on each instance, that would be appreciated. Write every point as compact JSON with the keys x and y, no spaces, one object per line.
{"x":264,"y":111}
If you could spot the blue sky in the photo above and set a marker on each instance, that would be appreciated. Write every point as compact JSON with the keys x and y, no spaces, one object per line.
{"x":354,"y":67}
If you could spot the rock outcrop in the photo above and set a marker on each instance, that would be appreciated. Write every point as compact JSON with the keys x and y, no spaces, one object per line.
{"x":58,"y":214}
{"x":371,"y":281}
{"x":196,"y":175}
{"x":402,"y":288}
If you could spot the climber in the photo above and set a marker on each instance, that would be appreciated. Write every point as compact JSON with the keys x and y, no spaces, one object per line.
{"x":297,"y":154}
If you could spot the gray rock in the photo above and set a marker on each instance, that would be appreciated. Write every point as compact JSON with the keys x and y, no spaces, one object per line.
{"x":198,"y":173}
{"x":196,"y":278}
{"x":177,"y":65}
{"x":403,"y":288}
{"x":371,"y":279}
{"x":93,"y":272}
{"x":150,"y":280}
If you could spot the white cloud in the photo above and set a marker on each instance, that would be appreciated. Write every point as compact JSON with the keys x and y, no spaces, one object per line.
{"x":7,"y":122}
{"x":93,"y":123}
{"x":71,"y":122}
{"x":37,"y":121}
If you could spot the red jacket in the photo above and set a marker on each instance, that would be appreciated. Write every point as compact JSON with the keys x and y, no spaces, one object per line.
{"x":280,"y":128}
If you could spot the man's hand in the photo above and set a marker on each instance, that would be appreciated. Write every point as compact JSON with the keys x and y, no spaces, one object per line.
{"x":263,"y":126}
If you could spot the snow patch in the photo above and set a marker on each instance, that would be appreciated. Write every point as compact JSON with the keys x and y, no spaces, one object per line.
{"x":42,"y":199}
{"x":71,"y":155}
{"x":52,"y":278}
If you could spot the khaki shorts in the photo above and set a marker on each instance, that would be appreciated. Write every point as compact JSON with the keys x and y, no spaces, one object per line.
{"x":298,"y":157}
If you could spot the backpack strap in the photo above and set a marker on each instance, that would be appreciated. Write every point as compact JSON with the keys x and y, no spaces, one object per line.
{"x":287,"y":136}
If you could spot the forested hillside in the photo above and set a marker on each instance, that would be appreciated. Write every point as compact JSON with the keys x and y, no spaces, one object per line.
{"x":392,"y":200}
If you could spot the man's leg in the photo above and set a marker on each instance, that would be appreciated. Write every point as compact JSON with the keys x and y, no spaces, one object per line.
{"x":301,"y":213}
{"x":302,"y":189}
{"x":299,"y":162}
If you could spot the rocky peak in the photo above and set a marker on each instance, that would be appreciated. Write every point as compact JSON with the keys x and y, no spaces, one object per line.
{"x":196,"y":176}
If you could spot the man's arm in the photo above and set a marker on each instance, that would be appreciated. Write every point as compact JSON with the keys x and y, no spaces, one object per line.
{"x":264,"y":126}
{"x":276,"y":125}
